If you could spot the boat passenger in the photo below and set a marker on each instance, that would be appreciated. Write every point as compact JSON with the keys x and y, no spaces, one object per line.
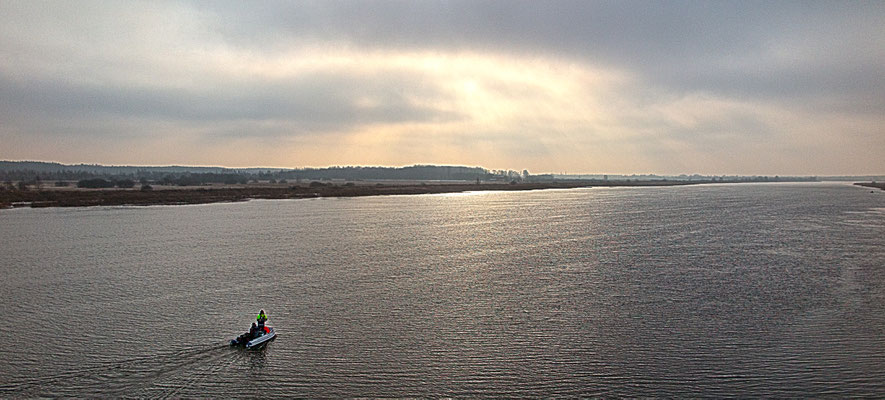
{"x":253,"y":331}
{"x":262,"y":318}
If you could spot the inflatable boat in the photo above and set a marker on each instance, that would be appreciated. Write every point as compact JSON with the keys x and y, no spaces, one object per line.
{"x":260,"y":338}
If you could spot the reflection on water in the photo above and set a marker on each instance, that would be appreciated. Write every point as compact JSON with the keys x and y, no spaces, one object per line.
{"x":724,"y":290}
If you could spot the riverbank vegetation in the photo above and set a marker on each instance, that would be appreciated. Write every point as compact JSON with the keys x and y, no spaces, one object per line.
{"x":170,"y":195}
{"x":200,"y":195}
{"x":880,"y":185}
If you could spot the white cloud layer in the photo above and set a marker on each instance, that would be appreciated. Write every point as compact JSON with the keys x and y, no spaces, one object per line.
{"x":744,"y":87}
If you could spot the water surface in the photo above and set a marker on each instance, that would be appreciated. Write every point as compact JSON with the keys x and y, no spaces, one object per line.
{"x":763,"y":290}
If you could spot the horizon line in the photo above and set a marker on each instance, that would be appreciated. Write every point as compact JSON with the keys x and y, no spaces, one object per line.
{"x":436,"y":165}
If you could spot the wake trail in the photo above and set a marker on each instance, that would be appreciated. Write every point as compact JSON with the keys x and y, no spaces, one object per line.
{"x":197,"y":377}
{"x":134,"y":365}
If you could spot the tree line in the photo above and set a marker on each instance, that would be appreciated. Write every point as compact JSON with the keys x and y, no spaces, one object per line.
{"x":35,"y":174}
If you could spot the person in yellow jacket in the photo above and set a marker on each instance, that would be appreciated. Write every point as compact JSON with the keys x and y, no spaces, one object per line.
{"x":262,"y":318}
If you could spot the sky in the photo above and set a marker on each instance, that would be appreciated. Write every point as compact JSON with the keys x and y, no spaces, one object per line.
{"x":711,"y":87}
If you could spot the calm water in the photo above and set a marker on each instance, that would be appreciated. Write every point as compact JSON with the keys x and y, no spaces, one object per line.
{"x":729,"y":290}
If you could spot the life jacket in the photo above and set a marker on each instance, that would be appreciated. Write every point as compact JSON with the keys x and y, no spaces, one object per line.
{"x":266,"y":330}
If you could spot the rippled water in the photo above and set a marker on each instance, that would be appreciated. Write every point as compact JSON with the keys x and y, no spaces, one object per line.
{"x":724,"y":290}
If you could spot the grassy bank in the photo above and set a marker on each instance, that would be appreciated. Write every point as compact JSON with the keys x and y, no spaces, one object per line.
{"x":880,"y":185}
{"x":202,"y":195}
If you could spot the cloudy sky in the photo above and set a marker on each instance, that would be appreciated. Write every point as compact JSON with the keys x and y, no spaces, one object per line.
{"x":714,"y":87}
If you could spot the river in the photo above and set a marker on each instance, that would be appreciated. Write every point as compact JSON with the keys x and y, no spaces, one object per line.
{"x":733,"y":290}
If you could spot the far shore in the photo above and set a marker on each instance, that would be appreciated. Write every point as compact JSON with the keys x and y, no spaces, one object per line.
{"x":879,"y":185}
{"x":75,"y":197}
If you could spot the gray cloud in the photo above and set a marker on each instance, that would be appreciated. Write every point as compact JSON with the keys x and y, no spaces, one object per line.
{"x":685,"y":45}
{"x":770,"y":70}
{"x":314,"y":102}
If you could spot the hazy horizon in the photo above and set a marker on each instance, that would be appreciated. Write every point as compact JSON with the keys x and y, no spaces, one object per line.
{"x":614,"y":173}
{"x":684,"y":87}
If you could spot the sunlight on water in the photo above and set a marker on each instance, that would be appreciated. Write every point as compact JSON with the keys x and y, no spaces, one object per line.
{"x":465,"y":194}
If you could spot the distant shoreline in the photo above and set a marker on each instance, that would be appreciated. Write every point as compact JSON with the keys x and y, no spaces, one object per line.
{"x":879,"y":185}
{"x":203,"y":195}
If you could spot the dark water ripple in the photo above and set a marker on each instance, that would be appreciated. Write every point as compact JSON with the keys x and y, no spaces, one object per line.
{"x":708,"y":291}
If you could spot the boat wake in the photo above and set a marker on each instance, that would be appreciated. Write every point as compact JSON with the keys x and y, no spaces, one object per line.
{"x":162,"y":374}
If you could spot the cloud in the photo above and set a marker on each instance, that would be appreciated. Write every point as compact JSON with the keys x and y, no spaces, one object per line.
{"x":744,"y":87}
{"x":313,"y":102}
